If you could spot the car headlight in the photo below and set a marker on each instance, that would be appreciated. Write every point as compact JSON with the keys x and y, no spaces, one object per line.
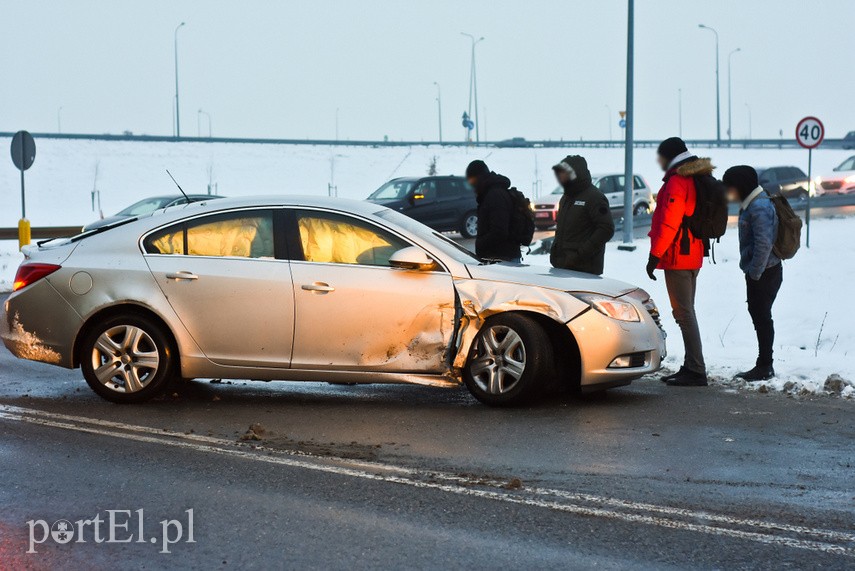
{"x":849,"y":179}
{"x":610,"y":306}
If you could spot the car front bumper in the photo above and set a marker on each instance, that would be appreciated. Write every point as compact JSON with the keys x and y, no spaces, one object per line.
{"x":602,"y":340}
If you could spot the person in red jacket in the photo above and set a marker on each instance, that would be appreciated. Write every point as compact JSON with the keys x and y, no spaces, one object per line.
{"x":674,"y":249}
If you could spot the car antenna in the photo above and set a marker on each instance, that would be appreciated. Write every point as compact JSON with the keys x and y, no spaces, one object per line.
{"x":178,"y":185}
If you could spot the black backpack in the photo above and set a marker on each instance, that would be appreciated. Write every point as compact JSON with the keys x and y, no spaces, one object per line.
{"x":709,"y":220}
{"x":522,"y":220}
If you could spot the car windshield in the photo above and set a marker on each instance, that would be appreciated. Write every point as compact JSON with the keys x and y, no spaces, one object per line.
{"x":393,"y":190}
{"x":437,"y":240}
{"x":847,"y":165}
{"x":146,"y":206}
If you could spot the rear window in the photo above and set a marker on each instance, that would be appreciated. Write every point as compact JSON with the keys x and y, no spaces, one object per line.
{"x":233,"y":235}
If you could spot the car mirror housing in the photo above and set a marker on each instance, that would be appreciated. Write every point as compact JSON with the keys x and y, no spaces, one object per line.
{"x":412,"y":258}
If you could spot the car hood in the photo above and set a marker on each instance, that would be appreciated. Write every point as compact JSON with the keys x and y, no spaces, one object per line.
{"x":393,"y":203}
{"x":551,"y":278}
{"x":837,"y":175}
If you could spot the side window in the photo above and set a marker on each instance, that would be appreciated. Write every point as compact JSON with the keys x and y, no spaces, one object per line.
{"x":768,"y":177}
{"x":637,"y":183}
{"x":232,"y":235}
{"x":448,"y":189}
{"x":336,"y":239}
{"x":425,"y":192}
{"x":607,"y":184}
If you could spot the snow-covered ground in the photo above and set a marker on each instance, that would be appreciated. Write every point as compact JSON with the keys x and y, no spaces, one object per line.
{"x":814,"y":316}
{"x":60,"y":183}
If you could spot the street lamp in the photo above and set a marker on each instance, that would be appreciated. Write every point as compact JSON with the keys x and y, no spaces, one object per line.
{"x":177,"y":108}
{"x":729,"y":104}
{"x":609,"y":109}
{"x":199,"y":123}
{"x":439,"y":108}
{"x":473,"y":84}
{"x":717,"y":94}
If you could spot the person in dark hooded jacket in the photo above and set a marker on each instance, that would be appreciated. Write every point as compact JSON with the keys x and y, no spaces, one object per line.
{"x":584,"y":223}
{"x":495,"y":214}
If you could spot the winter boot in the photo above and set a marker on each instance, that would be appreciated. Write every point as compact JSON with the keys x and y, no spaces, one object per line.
{"x":758,"y":373}
{"x":688,"y":378}
{"x":667,"y":378}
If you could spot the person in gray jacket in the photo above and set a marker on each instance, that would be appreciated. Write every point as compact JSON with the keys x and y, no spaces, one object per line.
{"x":758,"y":229}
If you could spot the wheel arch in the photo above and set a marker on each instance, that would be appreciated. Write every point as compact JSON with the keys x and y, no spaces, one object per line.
{"x":124,"y":308}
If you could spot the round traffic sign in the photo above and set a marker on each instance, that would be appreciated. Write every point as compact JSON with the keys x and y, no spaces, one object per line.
{"x":622,"y":123}
{"x":23,"y":150}
{"x":810,"y":132}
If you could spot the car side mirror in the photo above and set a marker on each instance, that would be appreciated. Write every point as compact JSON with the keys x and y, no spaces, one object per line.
{"x":412,"y":258}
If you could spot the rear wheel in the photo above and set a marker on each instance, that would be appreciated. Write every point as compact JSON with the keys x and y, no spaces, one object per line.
{"x":641,"y":209}
{"x":128,"y":359}
{"x":469,"y":225}
{"x":510,"y":361}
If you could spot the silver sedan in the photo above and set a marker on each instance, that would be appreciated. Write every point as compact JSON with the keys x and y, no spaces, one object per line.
{"x":312,"y":289}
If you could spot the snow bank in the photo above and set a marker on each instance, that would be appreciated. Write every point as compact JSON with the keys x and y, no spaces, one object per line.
{"x":60,"y":183}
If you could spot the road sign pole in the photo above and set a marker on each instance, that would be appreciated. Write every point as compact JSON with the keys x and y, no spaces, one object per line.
{"x":628,"y":230}
{"x":807,"y":211}
{"x":23,"y":223}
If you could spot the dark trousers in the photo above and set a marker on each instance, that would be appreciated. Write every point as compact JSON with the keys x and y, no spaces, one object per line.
{"x":761,"y":296}
{"x":682,"y":286}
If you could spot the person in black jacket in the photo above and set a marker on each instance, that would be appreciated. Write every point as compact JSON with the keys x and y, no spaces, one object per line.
{"x":495,"y":214}
{"x":584,"y":223}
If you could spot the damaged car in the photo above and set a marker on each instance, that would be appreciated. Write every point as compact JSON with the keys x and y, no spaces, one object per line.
{"x":317,"y":289}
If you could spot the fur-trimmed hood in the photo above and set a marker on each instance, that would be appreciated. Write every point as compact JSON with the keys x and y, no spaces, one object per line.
{"x":695,"y":167}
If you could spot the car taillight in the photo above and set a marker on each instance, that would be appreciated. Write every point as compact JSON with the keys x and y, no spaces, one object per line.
{"x":31,"y":273}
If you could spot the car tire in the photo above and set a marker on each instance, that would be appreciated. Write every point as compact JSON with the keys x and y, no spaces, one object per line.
{"x":128,"y":359}
{"x":641,"y":209}
{"x":469,"y":225}
{"x":510,"y":361}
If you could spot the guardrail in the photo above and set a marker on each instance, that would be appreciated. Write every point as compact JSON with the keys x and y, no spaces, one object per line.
{"x":787,"y":143}
{"x":42,"y":233}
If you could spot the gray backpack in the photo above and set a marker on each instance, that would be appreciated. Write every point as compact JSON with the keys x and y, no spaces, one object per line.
{"x":789,"y":228}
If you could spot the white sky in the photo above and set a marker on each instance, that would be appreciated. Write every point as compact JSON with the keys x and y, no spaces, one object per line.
{"x":547,"y":68}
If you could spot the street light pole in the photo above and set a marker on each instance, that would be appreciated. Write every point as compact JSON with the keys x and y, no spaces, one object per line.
{"x":609,"y":109}
{"x":177,"y":108}
{"x":439,"y":108}
{"x":628,"y":229}
{"x":729,"y":96}
{"x":717,"y":88}
{"x":473,"y":84}
{"x":199,"y":123}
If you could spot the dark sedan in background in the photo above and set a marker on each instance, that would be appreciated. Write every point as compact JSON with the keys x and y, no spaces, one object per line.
{"x":147,"y":206}
{"x":444,"y":203}
{"x":792,"y":182}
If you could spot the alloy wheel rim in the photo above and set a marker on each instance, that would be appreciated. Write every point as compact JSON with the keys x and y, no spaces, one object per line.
{"x":472,"y":225}
{"x":499,"y":360}
{"x":125,"y":359}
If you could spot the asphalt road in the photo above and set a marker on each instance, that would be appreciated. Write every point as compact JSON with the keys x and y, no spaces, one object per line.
{"x":353,"y":477}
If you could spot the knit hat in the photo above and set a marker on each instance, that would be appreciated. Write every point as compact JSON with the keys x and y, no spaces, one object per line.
{"x":477,"y":169}
{"x":671,"y":148}
{"x":743,"y":178}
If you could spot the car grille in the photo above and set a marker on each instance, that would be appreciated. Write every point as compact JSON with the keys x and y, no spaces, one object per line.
{"x":831,"y":184}
{"x":654,"y":312}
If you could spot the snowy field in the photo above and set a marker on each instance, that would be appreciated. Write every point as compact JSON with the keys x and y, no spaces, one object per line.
{"x":814,"y":317}
{"x":60,"y":183}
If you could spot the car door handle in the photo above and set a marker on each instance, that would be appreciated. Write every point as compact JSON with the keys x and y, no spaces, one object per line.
{"x":182,"y":275}
{"x":318,"y":286}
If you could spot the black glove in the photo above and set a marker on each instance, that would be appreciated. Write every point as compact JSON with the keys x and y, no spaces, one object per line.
{"x":652,"y":262}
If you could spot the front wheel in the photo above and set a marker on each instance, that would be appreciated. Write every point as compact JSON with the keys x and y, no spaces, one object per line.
{"x":469,"y":225}
{"x":128,"y":359}
{"x":509,"y":362}
{"x":641,"y":209}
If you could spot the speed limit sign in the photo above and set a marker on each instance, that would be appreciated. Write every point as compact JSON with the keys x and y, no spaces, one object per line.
{"x":810,"y":132}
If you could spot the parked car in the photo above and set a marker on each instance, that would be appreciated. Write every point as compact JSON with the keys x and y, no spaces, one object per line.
{"x":849,"y":140}
{"x":444,"y":203}
{"x":842,"y":181}
{"x":317,"y":289}
{"x":147,"y":206}
{"x":792,"y":182}
{"x":546,"y":208}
